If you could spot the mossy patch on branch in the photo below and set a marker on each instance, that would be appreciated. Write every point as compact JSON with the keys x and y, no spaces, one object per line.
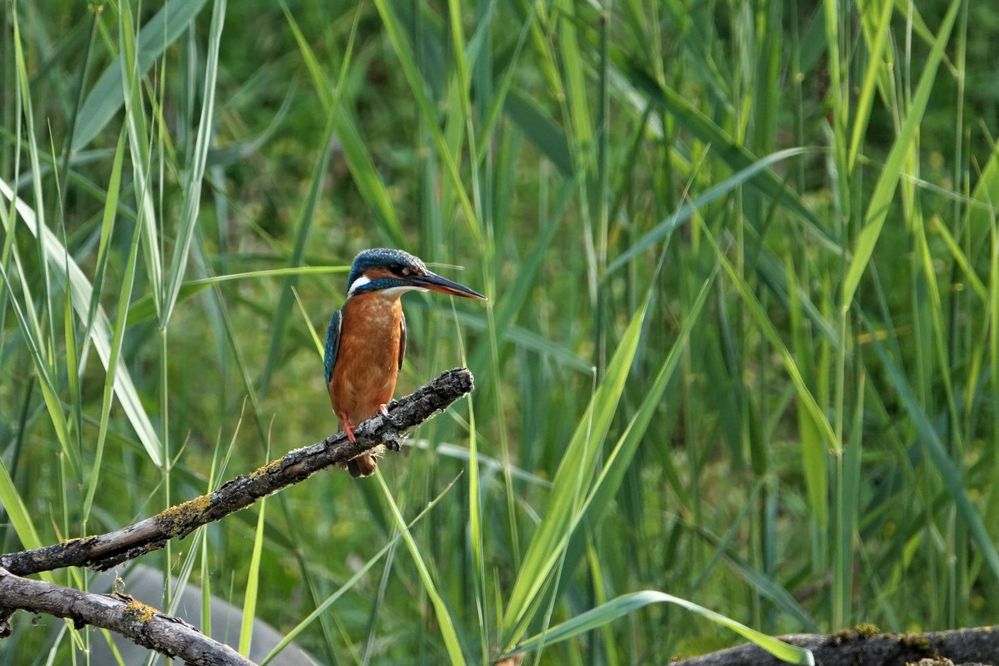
{"x":139,"y":611}
{"x":177,"y":517}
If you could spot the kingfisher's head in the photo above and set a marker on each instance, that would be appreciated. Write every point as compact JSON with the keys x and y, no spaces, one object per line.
{"x":394,"y":272}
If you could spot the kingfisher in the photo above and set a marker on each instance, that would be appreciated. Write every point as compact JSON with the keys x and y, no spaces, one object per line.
{"x":366,"y":338}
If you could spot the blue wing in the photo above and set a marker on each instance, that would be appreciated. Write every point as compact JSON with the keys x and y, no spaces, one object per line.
{"x":332,"y":345}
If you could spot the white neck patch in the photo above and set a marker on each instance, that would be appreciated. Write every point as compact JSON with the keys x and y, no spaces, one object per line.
{"x":359,"y":282}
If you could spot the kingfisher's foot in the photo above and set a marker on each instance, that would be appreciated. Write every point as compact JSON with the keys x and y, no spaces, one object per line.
{"x":383,"y":410}
{"x":349,"y":431}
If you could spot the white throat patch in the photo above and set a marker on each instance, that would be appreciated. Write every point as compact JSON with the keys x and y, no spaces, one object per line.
{"x":359,"y":282}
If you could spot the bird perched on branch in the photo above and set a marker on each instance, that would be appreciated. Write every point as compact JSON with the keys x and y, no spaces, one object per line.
{"x":366,"y":338}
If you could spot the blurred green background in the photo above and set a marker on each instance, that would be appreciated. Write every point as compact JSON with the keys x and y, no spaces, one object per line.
{"x":741,"y":347}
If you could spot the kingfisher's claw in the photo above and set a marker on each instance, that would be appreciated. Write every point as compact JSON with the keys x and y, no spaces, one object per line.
{"x":383,"y":409}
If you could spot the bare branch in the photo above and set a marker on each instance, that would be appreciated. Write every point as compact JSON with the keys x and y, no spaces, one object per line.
{"x":129,"y":617}
{"x":107,"y":550}
{"x":867,"y":645}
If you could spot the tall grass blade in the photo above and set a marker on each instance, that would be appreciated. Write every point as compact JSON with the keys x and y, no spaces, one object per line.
{"x":362,"y":167}
{"x":619,"y":460}
{"x":105,"y":97}
{"x":406,"y":58}
{"x":571,"y":482}
{"x":688,"y":209}
{"x":196,"y":169}
{"x":629,"y":603}
{"x":252,"y":584}
{"x":82,"y":292}
{"x":107,"y":230}
{"x":884,"y":190}
{"x":814,"y":462}
{"x":768,"y":329}
{"x":116,"y":343}
{"x":722,"y":143}
{"x":951,"y":472}
{"x":444,"y":620}
{"x":290,"y":636}
{"x":862,"y":113}
{"x":139,"y":144}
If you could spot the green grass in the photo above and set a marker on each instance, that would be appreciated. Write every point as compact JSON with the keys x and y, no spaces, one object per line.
{"x":740,"y":354}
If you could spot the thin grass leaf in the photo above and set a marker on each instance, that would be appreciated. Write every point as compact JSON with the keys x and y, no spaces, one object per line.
{"x":768,"y":329}
{"x":34,"y":337}
{"x":884,"y":190}
{"x":540,"y":130}
{"x":36,"y":181}
{"x":144,"y":308}
{"x":629,"y":603}
{"x":814,"y":464}
{"x":462,"y":84}
{"x":116,"y":343}
{"x":960,"y":258}
{"x":196,"y":169}
{"x":618,"y":461}
{"x":761,"y":582}
{"x":82,"y":292}
{"x":950,"y":472}
{"x":848,"y":506}
{"x":355,"y":150}
{"x":252,"y":584}
{"x":530,"y":340}
{"x":571,"y":481}
{"x":105,"y":97}
{"x":444,"y":621}
{"x":577,"y":98}
{"x":688,"y":209}
{"x":862,"y":111}
{"x":985,"y":198}
{"x":405,"y":56}
{"x":139,"y":141}
{"x":630,"y":75}
{"x":107,"y":229}
{"x":73,"y":370}
{"x":290,"y":636}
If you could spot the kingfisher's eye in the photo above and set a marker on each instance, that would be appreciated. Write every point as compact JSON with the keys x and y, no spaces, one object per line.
{"x":405,"y":271}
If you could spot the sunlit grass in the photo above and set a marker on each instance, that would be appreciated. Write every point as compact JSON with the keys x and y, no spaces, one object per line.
{"x":739,"y":355}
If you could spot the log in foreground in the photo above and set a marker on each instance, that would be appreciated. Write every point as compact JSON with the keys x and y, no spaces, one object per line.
{"x":104,"y":551}
{"x":131,"y":618}
{"x":867,"y":645}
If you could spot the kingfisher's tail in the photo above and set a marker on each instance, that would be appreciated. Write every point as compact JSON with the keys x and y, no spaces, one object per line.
{"x":362,"y":465}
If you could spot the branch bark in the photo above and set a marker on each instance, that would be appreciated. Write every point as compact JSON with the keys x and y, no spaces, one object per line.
{"x":131,"y":618}
{"x":104,"y":551}
{"x":144,"y":624}
{"x":869,"y":646}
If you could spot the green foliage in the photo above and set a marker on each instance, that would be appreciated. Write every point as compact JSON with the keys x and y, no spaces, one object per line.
{"x":740,"y":352}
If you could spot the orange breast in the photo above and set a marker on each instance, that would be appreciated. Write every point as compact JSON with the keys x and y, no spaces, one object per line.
{"x":367,"y":363}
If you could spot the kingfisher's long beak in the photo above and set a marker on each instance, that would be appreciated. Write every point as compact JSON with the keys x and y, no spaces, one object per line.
{"x":435,"y":282}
